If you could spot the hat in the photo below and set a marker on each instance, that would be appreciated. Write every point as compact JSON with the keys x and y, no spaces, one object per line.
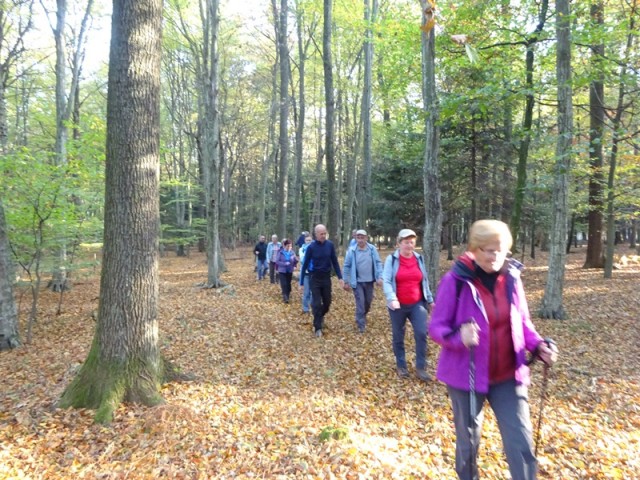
{"x":361,"y":232}
{"x":406,"y":233}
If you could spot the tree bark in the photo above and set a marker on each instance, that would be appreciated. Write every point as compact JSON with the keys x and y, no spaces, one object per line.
{"x":595,"y":255}
{"x":552,"y":306}
{"x":432,"y":201}
{"x":124,"y":363}
{"x":332,"y":222}
{"x":283,"y":179}
{"x":370,"y":14}
{"x":9,"y":336}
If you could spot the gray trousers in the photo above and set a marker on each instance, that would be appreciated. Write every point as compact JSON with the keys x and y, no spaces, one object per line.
{"x":363,"y":294}
{"x":510,"y":405}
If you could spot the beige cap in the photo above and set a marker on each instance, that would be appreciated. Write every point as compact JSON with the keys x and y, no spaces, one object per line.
{"x":406,"y":233}
{"x":361,"y":232}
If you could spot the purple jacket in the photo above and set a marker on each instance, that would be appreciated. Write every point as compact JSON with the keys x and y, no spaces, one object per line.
{"x":286,"y":261}
{"x":448,"y":316}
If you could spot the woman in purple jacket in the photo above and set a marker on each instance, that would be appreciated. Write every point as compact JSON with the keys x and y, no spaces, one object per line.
{"x":481,"y":320}
{"x":286,"y":262}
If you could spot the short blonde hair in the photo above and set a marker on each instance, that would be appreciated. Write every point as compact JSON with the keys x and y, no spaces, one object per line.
{"x":484,"y":232}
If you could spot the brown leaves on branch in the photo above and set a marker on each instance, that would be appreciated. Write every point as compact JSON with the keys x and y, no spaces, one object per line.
{"x":271,"y":401}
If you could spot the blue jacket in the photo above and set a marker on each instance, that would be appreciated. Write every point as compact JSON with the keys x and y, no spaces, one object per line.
{"x":350,"y":265}
{"x":391,"y":265}
{"x":270,"y":250}
{"x":457,"y":301}
{"x":322,"y":256}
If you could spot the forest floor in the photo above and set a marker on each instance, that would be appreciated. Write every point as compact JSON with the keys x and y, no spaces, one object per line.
{"x":271,"y":401}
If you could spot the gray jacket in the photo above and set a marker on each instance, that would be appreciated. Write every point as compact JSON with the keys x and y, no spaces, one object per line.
{"x":349,"y":272}
{"x":391,"y":265}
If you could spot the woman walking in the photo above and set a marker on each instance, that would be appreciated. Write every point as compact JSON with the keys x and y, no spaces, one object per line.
{"x":286,"y":263}
{"x":406,"y":288}
{"x":482,"y":323}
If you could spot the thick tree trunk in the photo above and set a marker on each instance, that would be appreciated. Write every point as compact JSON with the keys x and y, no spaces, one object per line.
{"x":283,"y":180}
{"x":369,"y":18}
{"x":595,"y":254}
{"x":552,"y":306}
{"x":124,"y":362}
{"x":332,"y":222}
{"x":432,"y":201}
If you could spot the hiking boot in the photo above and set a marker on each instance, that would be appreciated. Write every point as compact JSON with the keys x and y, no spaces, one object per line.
{"x":423,"y":375}
{"x":402,"y":372}
{"x":318,"y":333}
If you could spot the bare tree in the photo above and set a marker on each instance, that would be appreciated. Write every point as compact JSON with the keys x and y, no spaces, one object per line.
{"x":332,"y":222}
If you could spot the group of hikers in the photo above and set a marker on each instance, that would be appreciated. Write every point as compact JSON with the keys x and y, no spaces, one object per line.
{"x":479,"y":317}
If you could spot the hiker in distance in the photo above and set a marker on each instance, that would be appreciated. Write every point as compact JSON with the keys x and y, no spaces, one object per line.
{"x":406,"y":288}
{"x":362,"y":269}
{"x":286,"y":264}
{"x":272,"y":257}
{"x":306,"y":293}
{"x":319,"y":258}
{"x":482,"y":322}
{"x":260,"y":251}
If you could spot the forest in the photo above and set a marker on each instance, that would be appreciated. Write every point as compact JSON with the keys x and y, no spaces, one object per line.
{"x":146,"y":145}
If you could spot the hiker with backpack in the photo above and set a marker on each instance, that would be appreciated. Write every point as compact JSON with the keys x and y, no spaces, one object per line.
{"x":406,"y":288}
{"x":482,"y":322}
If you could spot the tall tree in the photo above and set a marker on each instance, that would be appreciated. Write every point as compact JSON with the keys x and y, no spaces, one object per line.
{"x":552,"y":301}
{"x":527,"y":121}
{"x":595,"y":254}
{"x":9,"y":336}
{"x":124,"y":362}
{"x":616,"y":140}
{"x":332,"y":221}
{"x":431,"y":181}
{"x":370,"y":13}
{"x":283,"y":179}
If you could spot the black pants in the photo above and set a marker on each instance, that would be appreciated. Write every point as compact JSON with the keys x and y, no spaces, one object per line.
{"x":320,"y":297}
{"x":285,"y":285}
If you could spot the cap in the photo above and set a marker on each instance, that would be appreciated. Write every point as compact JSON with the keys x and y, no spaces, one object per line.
{"x":361,"y":232}
{"x":406,"y":233}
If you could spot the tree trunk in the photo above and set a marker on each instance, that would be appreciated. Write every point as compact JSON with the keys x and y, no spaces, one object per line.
{"x":332,"y":222}
{"x":595,"y":256}
{"x":552,"y":306}
{"x":9,"y":337}
{"x":615,"y":141}
{"x":124,"y":362}
{"x":369,"y":18}
{"x":432,"y":203}
{"x":283,"y":179}
{"x":523,"y":150}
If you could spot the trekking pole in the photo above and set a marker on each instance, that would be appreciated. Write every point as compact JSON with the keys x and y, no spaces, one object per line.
{"x":472,"y":408}
{"x":545,"y":381}
{"x":472,"y":405}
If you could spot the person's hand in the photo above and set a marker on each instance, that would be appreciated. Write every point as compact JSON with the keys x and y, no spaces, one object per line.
{"x":393,"y":305}
{"x":346,"y":286}
{"x":300,"y":287}
{"x":431,"y":306}
{"x":548,"y":352}
{"x":469,"y":334}
{"x":341,"y":282}
{"x":379,"y":282}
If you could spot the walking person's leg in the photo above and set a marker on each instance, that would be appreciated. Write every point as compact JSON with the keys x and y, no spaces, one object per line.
{"x":289,"y":277}
{"x":398,"y":321}
{"x":510,"y":404}
{"x":272,"y":268}
{"x":316,"y":301}
{"x":418,"y":318}
{"x":360,"y":298}
{"x":466,"y":436}
{"x":306,"y":295}
{"x":326,"y":294}
{"x":368,"y":297}
{"x":283,"y":287}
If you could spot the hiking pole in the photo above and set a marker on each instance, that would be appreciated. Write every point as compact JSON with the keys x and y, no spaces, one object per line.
{"x":472,"y":408}
{"x":472,"y":405}
{"x":545,"y":381}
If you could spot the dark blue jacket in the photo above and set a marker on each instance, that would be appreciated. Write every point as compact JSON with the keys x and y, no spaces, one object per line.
{"x":323,"y":255}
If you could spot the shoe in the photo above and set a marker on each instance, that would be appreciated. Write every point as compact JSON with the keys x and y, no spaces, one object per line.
{"x":423,"y":375}
{"x":402,"y":372}
{"x":361,"y":328}
{"x":318,"y":333}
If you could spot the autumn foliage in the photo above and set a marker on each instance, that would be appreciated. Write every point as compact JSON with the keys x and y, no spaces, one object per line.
{"x":268,"y":400}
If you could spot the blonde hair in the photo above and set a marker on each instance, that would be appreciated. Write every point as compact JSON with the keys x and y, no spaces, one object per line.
{"x":484,"y":232}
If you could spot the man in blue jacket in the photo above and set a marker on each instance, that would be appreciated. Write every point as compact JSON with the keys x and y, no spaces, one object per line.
{"x":362,"y":268}
{"x":319,"y":258}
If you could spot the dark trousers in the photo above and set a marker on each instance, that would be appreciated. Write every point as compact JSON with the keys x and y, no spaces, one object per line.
{"x":510,"y":406}
{"x":320,"y":297}
{"x":273,"y":272}
{"x":285,"y":284}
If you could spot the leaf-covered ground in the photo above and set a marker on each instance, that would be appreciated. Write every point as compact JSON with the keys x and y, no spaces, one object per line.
{"x":271,"y":401}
